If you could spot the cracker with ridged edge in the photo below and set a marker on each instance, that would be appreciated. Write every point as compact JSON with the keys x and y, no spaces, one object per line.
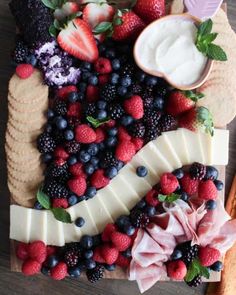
{"x":25,"y":137}
{"x":26,"y":199}
{"x":23,"y":157}
{"x":26,"y":118}
{"x":21,"y":148}
{"x":29,"y":165}
{"x":33,"y":126}
{"x":27,"y":175}
{"x":27,"y":107}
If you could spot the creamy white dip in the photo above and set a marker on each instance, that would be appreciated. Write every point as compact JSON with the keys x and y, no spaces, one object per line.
{"x":168,"y":46}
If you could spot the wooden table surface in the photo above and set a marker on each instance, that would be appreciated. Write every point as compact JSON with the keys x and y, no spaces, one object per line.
{"x":14,"y":283}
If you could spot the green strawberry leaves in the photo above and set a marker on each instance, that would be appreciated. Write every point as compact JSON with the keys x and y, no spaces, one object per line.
{"x":54,"y":4}
{"x":196,"y":269}
{"x":168,"y":198}
{"x":194,"y":96}
{"x":59,"y":213}
{"x":205,"y":119}
{"x":95,"y":122}
{"x":204,"y":42}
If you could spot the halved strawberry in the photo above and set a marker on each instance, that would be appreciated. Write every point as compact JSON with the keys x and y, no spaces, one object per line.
{"x":150,"y":10}
{"x":77,"y":39}
{"x":70,"y":8}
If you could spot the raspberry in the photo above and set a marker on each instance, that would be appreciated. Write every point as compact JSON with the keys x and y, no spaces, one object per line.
{"x":109,"y":253}
{"x":60,"y":203}
{"x":31,"y":267}
{"x":51,"y":250}
{"x":85,"y":134}
{"x":77,"y":185}
{"x":61,"y":153}
{"x":74,"y":110}
{"x":207,"y":190}
{"x":208,"y":255}
{"x":24,"y":71}
{"x":123,"y":134}
{"x":100,"y":135}
{"x":125,"y":151}
{"x":77,"y":170}
{"x":134,"y":107}
{"x":121,"y":241}
{"x":64,"y":91}
{"x":151,"y":198}
{"x":108,"y":230}
{"x":138,"y":143}
{"x":103,"y":79}
{"x":103,"y":66}
{"x":122,"y":261}
{"x":92,"y":93}
{"x":22,"y":251}
{"x":99,"y":180}
{"x":97,"y":256}
{"x":189,"y":185}
{"x":176,"y":270}
{"x":95,"y":274}
{"x":169,"y":183}
{"x":37,"y":251}
{"x":197,"y":171}
{"x":59,"y":272}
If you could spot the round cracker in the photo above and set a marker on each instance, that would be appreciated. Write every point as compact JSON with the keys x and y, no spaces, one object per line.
{"x":20,"y":148}
{"x":25,"y":137}
{"x":29,"y":165}
{"x":33,"y":126}
{"x":28,"y":107}
{"x":25,"y":199}
{"x":28,"y":203}
{"x":25,"y":186}
{"x":27,"y":118}
{"x":27,"y":175}
{"x":23,"y":157}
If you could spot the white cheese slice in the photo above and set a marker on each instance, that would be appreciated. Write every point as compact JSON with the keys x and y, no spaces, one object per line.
{"x":220,"y":147}
{"x":55,"y":231}
{"x":37,"y":232}
{"x":71,"y":232}
{"x":206,"y":146}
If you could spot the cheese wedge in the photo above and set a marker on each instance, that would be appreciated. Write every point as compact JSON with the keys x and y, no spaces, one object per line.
{"x":36,"y":232}
{"x":55,"y":230}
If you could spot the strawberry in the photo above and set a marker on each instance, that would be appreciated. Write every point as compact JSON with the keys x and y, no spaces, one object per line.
{"x":150,"y":10}
{"x":109,"y":253}
{"x":181,"y":101}
{"x":24,"y":71}
{"x":64,"y":91}
{"x":60,"y":153}
{"x":125,"y":151}
{"x":103,"y":66}
{"x":60,"y":203}
{"x":22,"y":251}
{"x":77,"y":170}
{"x":37,"y":251}
{"x":74,"y":110}
{"x":130,"y":27}
{"x":189,"y":185}
{"x":103,"y":79}
{"x":123,"y":134}
{"x":85,"y":134}
{"x":169,"y":183}
{"x":100,"y":135}
{"x":208,"y":255}
{"x":176,"y":270}
{"x":123,"y":261}
{"x":92,"y":93}
{"x":121,"y":241}
{"x":31,"y":267}
{"x":108,"y":230}
{"x":59,"y":272}
{"x":97,"y":255}
{"x":134,"y":107}
{"x":99,"y":180}
{"x":198,"y":117}
{"x":70,"y":8}
{"x":77,"y":185}
{"x":77,"y":39}
{"x":207,"y":190}
{"x":151,"y":198}
{"x":138,"y":143}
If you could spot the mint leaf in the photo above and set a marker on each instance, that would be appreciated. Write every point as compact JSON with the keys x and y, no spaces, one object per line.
{"x":202,"y":47}
{"x":194,"y":96}
{"x":193,"y":270}
{"x":49,"y":4}
{"x":205,"y":28}
{"x":43,"y":199}
{"x":168,"y":198}
{"x":204,"y":271}
{"x":209,"y":38}
{"x":216,"y":52}
{"x":102,"y":27}
{"x":61,"y":215}
{"x":162,"y":198}
{"x":205,"y":119}
{"x":96,"y":123}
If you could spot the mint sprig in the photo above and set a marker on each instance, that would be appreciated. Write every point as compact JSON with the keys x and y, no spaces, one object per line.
{"x":204,"y":44}
{"x":194,"y":96}
{"x":205,"y":120}
{"x":59,"y":213}
{"x":196,"y":269}
{"x":95,"y":122}
{"x":168,"y":198}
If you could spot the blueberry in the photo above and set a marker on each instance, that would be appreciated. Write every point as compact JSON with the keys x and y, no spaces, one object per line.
{"x":86,"y":242}
{"x":129,"y":229}
{"x":151,"y":81}
{"x":38,"y":206}
{"x":48,"y":128}
{"x":110,"y":267}
{"x":52,"y":261}
{"x":101,"y":115}
{"x":89,"y":169}
{"x":211,"y":173}
{"x":217,"y":266}
{"x":126,"y":120}
{"x":111,"y":172}
{"x":84,"y":157}
{"x":79,"y":222}
{"x":126,"y":81}
{"x":122,"y":221}
{"x":219,"y":185}
{"x":110,"y":53}
{"x":120,"y":165}
{"x":114,"y":79}
{"x":74,"y":272}
{"x":151,"y":211}
{"x":97,"y":240}
{"x":80,"y":96}
{"x":141,"y":204}
{"x":140,"y":76}
{"x":81,"y":265}
{"x":111,"y":141}
{"x":45,"y":271}
{"x":158,"y":103}
{"x":46,"y":158}
{"x":93,"y":149}
{"x":127,"y":253}
{"x":115,"y":64}
{"x":177,"y":254}
{"x":88,"y":254}
{"x":69,"y":135}
{"x":101,"y":146}
{"x":93,"y":80}
{"x":86,"y":66}
{"x":61,"y":123}
{"x":179,"y":173}
{"x":90,"y":264}
{"x":91,"y":192}
{"x":101,"y":105}
{"x":31,"y":59}
{"x":72,"y":200}
{"x":86,"y":75}
{"x":50,"y":114}
{"x":82,"y":86}
{"x":72,"y":160}
{"x":141,"y":171}
{"x":112,"y":131}
{"x":184,"y":196}
{"x":73,"y":96}
{"x":94,"y":161}
{"x":211,"y":205}
{"x":122,"y":91}
{"x":82,"y":198}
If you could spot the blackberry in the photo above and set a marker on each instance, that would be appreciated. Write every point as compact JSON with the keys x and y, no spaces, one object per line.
{"x":108,"y":92}
{"x":189,"y":252}
{"x":90,"y":109}
{"x":197,"y":171}
{"x":75,"y":247}
{"x":71,"y":258}
{"x":152,"y":118}
{"x":139,"y":219}
{"x":168,"y":123}
{"x":55,"y":170}
{"x":135,"y":89}
{"x":137,"y":129}
{"x":55,"y":190}
{"x":127,"y":70}
{"x":60,"y":107}
{"x":58,"y":136}
{"x":95,"y":274}
{"x":20,"y":52}
{"x":147,"y":99}
{"x":152,"y":133}
{"x":161,"y":91}
{"x":195,"y":282}
{"x":45,"y":143}
{"x":109,"y":160}
{"x":115,"y":111}
{"x":72,"y":147}
{"x":73,"y":122}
